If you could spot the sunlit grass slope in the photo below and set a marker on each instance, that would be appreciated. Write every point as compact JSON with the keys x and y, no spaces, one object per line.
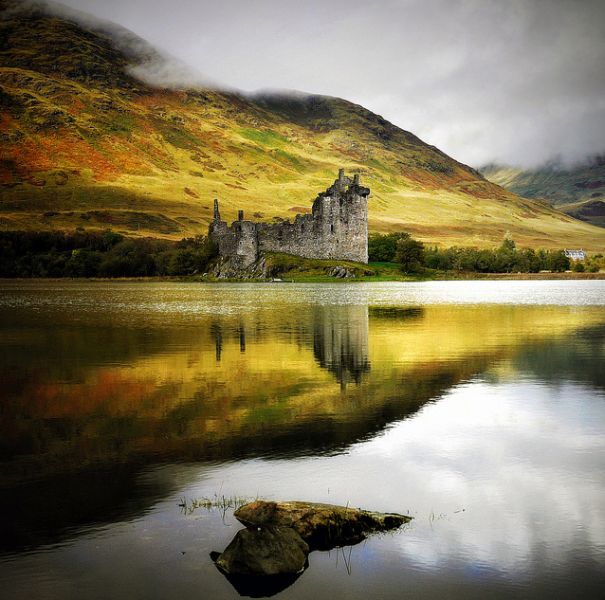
{"x":84,"y":144}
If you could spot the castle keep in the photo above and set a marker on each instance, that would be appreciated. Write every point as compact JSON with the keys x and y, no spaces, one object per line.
{"x":337,"y":228}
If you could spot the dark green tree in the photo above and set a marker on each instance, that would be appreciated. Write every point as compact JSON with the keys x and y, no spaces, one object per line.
{"x":83,"y":263}
{"x":410,"y":255}
{"x":557,"y":261}
{"x":382,"y":247}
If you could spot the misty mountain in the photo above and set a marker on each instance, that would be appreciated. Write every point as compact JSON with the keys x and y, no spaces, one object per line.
{"x":578,"y":190}
{"x":95,"y":134}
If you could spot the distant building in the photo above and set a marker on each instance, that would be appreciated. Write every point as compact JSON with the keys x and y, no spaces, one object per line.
{"x":337,"y":228}
{"x":575,"y":254}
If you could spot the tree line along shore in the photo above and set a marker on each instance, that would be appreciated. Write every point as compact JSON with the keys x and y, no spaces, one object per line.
{"x":393,"y":256}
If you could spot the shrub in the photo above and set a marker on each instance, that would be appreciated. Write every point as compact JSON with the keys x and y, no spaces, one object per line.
{"x":557,"y":261}
{"x":382,"y":247}
{"x":83,"y":263}
{"x":409,"y":254}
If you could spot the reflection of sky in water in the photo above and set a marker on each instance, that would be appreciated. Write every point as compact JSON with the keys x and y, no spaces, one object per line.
{"x":496,"y":474}
{"x":505,"y":482}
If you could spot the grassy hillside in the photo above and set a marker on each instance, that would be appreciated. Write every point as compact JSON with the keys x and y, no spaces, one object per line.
{"x":85,"y":144}
{"x":578,"y":191}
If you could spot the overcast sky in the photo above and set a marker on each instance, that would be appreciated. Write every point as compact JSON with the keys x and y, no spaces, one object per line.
{"x":515,"y":81}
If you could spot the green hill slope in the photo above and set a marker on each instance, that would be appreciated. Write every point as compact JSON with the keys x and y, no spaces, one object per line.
{"x":86,"y":144}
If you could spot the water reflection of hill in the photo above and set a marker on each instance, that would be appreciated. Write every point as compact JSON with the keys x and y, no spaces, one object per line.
{"x":86,"y":406}
{"x":52,"y":508}
{"x":255,"y":383}
{"x":582,"y":360}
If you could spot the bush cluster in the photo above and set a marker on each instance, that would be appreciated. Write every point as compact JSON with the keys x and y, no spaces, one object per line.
{"x":505,"y":259}
{"x":382,"y":247}
{"x":592,"y":264}
{"x":100,"y":254}
{"x":413,"y":256}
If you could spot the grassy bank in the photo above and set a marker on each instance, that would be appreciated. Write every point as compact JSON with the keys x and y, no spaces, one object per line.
{"x":383,"y":276}
{"x":302,"y":270}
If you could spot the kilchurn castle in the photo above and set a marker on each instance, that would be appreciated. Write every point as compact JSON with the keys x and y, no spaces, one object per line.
{"x":337,"y":228}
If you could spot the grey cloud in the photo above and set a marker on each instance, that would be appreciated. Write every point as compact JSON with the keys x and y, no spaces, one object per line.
{"x":519,"y":81}
{"x":167,"y":71}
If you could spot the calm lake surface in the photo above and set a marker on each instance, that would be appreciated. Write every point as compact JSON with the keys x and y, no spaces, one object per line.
{"x":476,"y":407}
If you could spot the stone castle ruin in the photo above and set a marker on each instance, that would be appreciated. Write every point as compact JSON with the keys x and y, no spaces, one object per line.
{"x":337,"y":228}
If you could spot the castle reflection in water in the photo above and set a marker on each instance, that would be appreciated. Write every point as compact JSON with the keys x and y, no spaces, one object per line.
{"x":337,"y":334}
{"x":340,"y":341}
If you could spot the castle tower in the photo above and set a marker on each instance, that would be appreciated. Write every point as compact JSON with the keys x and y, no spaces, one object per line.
{"x":340,"y":221}
{"x":217,"y":214}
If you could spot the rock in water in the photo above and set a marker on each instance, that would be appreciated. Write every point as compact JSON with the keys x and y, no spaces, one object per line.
{"x":321,"y":526}
{"x":271,"y":551}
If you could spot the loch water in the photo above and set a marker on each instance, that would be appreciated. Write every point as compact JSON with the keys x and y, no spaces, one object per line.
{"x":476,"y":407}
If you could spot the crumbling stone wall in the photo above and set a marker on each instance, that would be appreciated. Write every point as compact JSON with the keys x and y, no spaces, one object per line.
{"x":337,"y":228}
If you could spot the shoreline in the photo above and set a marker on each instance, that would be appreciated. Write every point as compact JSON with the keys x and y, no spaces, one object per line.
{"x":449,"y":276}
{"x":566,"y":276}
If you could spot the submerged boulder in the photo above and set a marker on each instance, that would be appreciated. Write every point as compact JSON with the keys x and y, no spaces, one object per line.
{"x":269,"y":551}
{"x":321,"y":526}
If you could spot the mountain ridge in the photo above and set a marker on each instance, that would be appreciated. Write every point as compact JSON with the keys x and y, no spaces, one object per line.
{"x":578,"y":190}
{"x":87,"y":144}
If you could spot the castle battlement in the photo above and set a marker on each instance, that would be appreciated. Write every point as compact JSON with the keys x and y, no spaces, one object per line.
{"x":337,"y":228}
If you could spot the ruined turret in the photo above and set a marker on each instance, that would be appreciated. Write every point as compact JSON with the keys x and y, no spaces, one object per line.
{"x":217,"y":228}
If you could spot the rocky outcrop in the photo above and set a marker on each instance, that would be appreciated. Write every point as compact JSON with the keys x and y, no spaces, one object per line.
{"x":322,"y":526}
{"x":230,"y":268}
{"x":341,"y":272}
{"x":271,"y":553}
